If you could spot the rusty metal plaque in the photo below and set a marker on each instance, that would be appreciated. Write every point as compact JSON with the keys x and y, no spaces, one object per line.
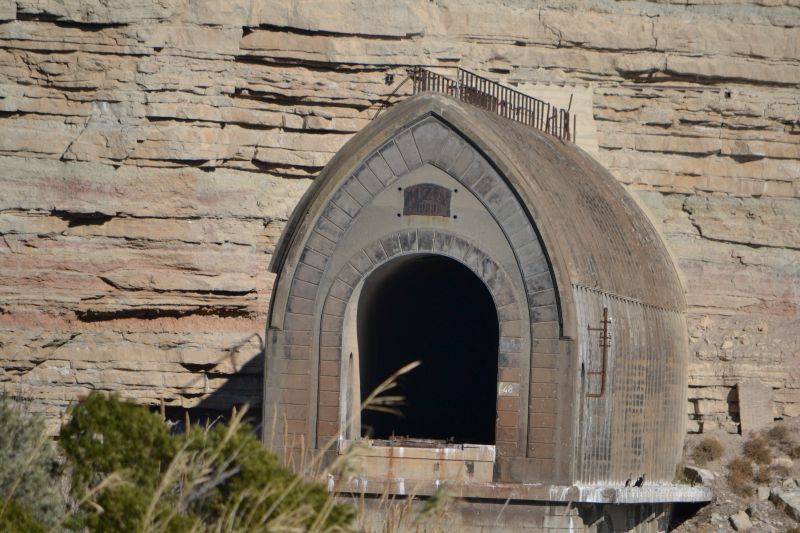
{"x":427,"y":199}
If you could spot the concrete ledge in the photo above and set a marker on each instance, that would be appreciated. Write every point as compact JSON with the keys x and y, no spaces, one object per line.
{"x":465,"y":464}
{"x":656,"y":493}
{"x":443,"y":452}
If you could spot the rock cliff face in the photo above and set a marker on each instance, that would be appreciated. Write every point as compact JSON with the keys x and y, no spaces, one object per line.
{"x":151,"y":151}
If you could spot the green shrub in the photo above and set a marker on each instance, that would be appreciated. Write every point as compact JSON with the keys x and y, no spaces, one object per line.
{"x":108,"y":436}
{"x":29,"y":470}
{"x":261,"y":487}
{"x":17,"y":518}
{"x":218,"y":479}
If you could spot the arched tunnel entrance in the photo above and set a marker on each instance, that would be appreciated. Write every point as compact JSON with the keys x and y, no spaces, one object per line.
{"x":433,"y":309}
{"x":374,"y":270}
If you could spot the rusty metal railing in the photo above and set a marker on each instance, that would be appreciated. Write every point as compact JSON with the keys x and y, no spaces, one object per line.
{"x":490,"y":95}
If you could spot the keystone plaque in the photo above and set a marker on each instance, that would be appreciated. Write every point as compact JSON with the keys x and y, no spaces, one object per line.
{"x":427,"y":199}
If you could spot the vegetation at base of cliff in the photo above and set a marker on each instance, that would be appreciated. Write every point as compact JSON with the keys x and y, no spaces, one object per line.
{"x":30,"y":471}
{"x":740,"y":476}
{"x":210,"y":479}
{"x":707,"y":450}
{"x":129,"y":473}
{"x":118,"y":467}
{"x":757,"y":450}
{"x":16,"y":517}
{"x":761,"y":461}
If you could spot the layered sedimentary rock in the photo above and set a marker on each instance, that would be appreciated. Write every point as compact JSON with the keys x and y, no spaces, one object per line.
{"x":150,"y":153}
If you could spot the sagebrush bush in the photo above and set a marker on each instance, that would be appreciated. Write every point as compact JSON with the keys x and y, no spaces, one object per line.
{"x":261,"y":487}
{"x":29,"y":471}
{"x":217,"y":479}
{"x":763,"y":476}
{"x":17,"y":518}
{"x":757,"y":450}
{"x":707,"y":450}
{"x":778,"y":434}
{"x":794,"y":453}
{"x":781,"y":438}
{"x":108,"y":436}
{"x":740,"y":476}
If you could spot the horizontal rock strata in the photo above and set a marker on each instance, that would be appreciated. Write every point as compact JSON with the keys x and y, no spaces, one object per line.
{"x":151,"y":151}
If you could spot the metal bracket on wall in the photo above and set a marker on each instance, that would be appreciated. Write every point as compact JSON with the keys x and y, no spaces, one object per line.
{"x":605,"y":344}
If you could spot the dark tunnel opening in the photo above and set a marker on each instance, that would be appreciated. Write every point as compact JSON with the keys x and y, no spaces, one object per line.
{"x":432,"y":309}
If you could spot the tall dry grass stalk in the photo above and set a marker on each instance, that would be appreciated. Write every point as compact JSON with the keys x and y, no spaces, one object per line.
{"x":192,"y":474}
{"x":385,"y":513}
{"x":395,"y":514}
{"x":196,"y":470}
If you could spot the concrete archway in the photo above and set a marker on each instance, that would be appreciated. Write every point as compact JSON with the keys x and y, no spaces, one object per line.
{"x":559,"y":244}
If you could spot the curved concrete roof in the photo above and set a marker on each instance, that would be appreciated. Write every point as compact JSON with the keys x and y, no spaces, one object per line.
{"x":593,"y":231}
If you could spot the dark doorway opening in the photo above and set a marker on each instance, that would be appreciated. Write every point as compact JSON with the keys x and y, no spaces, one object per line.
{"x":432,"y":309}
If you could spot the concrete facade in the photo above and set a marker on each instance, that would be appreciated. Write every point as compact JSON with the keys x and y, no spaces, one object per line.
{"x":555,"y":240}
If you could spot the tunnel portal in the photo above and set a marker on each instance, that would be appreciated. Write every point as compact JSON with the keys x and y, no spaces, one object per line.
{"x":431,"y":309}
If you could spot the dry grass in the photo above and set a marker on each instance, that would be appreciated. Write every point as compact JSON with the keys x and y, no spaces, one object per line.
{"x":778,"y":435}
{"x":707,"y":450}
{"x":781,"y":438}
{"x":780,"y":471}
{"x":754,"y":466}
{"x":757,"y":450}
{"x":795,"y":529}
{"x":192,"y":471}
{"x":390,"y":514}
{"x":763,"y":475}
{"x":740,"y":476}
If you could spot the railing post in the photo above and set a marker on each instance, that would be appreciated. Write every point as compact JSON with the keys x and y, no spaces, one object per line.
{"x":574,"y":127}
{"x":492,"y":96}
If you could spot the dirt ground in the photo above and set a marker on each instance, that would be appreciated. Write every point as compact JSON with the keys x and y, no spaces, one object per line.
{"x":781,"y":471}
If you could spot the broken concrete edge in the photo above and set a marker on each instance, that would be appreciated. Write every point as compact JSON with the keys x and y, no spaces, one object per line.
{"x":697,"y":474}
{"x":787,"y":500}
{"x":661,"y":493}
{"x":457,"y":452}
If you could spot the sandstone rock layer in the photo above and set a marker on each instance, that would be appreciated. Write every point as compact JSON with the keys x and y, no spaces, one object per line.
{"x":150,"y":153}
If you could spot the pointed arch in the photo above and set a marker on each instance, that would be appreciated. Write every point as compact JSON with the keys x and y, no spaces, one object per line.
{"x":545,"y":227}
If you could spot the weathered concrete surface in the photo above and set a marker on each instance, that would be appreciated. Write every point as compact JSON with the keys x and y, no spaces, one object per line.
{"x":788,"y":500}
{"x":697,"y":475}
{"x":150,"y":153}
